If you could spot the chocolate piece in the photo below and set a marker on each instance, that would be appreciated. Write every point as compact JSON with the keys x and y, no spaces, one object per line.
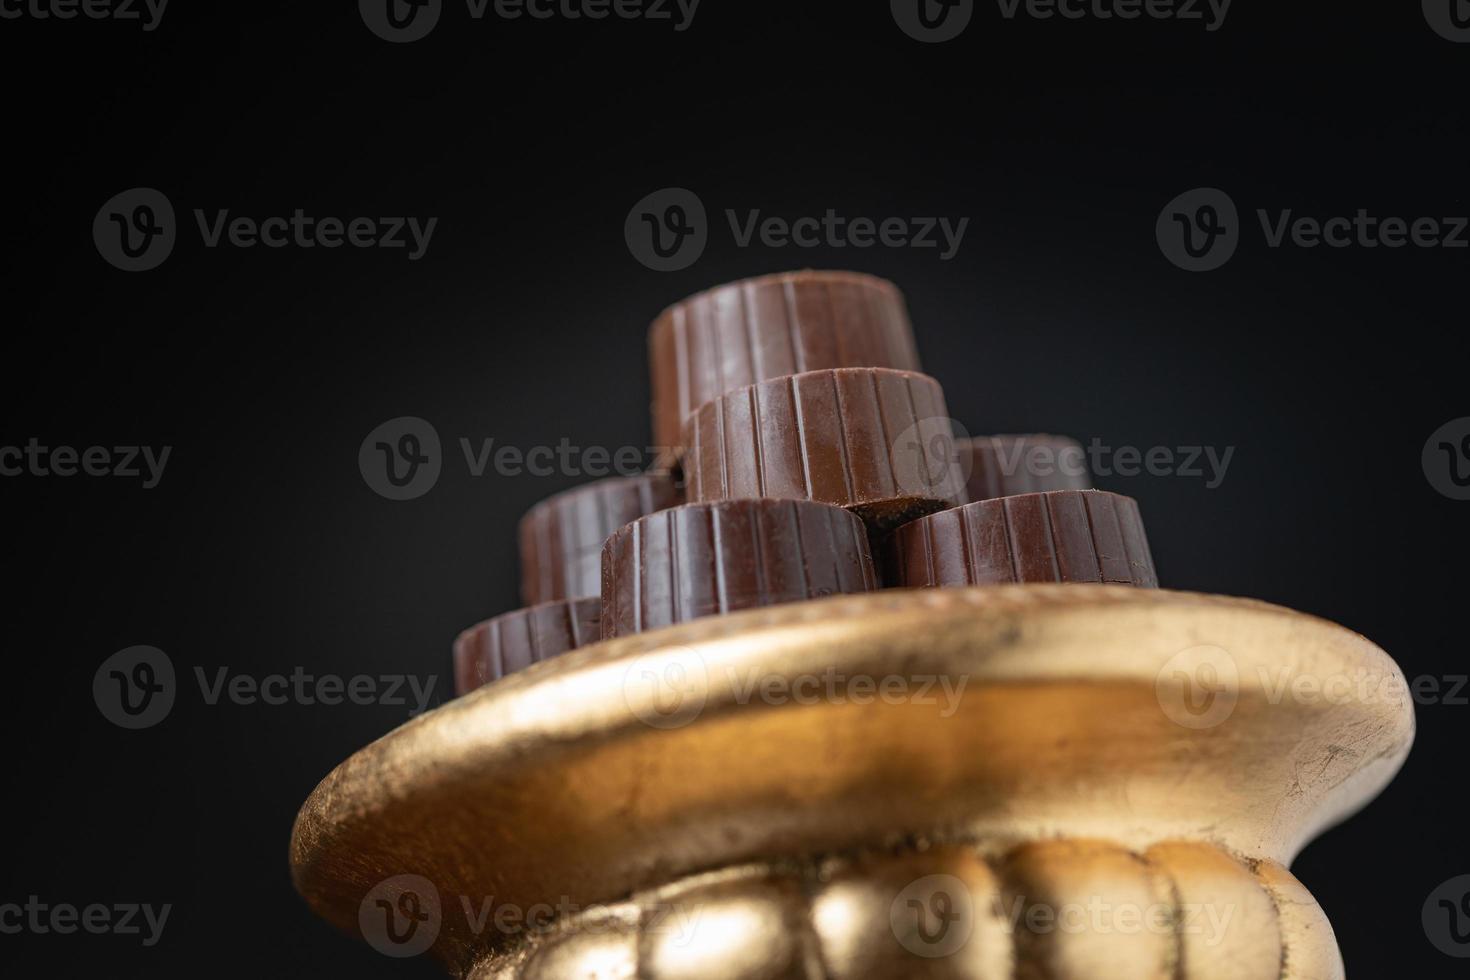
{"x":561,"y":537}
{"x":757,"y":329}
{"x":874,"y":440}
{"x":1063,"y":536}
{"x":703,"y":559}
{"x":503,"y":645}
{"x":1005,"y":466}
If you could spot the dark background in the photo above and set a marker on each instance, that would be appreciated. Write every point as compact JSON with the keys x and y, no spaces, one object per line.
{"x":263,"y":549}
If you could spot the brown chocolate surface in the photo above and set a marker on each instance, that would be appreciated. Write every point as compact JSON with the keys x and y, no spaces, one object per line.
{"x":769,"y":327}
{"x":712,"y":558}
{"x":1063,"y":536}
{"x":490,"y":650}
{"x":874,"y":440}
{"x":561,"y":537}
{"x":1005,"y":466}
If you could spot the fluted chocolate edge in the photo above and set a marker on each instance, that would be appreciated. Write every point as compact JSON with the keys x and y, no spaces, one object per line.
{"x":1061,"y":536}
{"x":875,"y":440}
{"x":561,"y":537}
{"x":515,"y":640}
{"x":767,"y":327}
{"x":720,"y":557}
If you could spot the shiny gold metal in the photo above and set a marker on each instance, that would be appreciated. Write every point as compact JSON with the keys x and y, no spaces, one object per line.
{"x":1004,"y":782}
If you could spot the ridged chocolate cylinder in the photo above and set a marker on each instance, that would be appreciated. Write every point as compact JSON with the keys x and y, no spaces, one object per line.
{"x":561,"y":537}
{"x":713,"y":558}
{"x":1005,"y":466}
{"x":1064,"y":536}
{"x":490,"y":650}
{"x":874,"y":440}
{"x":757,"y":329}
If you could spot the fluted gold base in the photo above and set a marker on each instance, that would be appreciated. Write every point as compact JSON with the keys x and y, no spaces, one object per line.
{"x":1019,"y":781}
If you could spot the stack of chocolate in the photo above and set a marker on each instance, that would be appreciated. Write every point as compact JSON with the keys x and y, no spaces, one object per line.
{"x":809,"y":457}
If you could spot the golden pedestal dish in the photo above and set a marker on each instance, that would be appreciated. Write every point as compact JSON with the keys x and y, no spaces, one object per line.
{"x":1057,"y":781}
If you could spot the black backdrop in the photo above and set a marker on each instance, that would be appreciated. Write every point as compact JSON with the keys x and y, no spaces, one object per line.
{"x":263,"y":550}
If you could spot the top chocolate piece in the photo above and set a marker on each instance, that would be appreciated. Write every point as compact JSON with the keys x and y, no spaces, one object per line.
{"x":561,"y":537}
{"x":757,"y":329}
